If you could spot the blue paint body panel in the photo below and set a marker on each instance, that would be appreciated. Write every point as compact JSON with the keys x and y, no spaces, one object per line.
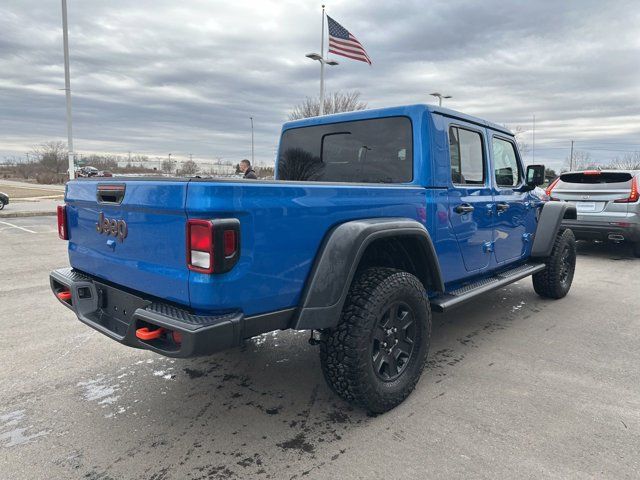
{"x":282,"y":223}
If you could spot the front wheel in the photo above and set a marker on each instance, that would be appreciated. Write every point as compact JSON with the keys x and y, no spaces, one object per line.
{"x":1,"y":204}
{"x":555,"y":280}
{"x":375,"y":355}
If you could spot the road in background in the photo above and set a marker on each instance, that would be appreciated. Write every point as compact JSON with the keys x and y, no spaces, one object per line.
{"x":516,"y":386}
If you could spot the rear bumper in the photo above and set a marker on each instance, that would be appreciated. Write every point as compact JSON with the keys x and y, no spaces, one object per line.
{"x":119,"y":314}
{"x":603,"y":230}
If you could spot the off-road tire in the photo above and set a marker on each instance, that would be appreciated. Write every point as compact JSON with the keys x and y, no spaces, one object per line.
{"x":346,"y":351}
{"x":555,"y":280}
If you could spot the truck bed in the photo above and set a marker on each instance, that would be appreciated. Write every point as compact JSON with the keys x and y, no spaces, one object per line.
{"x":282,"y":225}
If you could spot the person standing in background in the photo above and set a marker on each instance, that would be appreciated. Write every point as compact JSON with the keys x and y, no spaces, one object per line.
{"x":245,"y":167}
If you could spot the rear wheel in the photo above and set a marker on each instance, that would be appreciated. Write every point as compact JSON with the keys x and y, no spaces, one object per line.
{"x":636,"y":249}
{"x":376,"y":354}
{"x":555,"y":280}
{"x":1,"y":204}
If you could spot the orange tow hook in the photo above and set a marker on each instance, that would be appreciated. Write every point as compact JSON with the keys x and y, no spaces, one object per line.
{"x":65,"y":295}
{"x":145,"y":334}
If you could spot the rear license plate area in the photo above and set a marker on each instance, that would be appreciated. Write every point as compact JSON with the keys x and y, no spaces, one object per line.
{"x":116,"y":308}
{"x":586,"y":206}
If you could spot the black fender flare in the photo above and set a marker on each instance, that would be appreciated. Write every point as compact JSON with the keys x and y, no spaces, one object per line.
{"x":337,"y":261}
{"x":549,"y":223}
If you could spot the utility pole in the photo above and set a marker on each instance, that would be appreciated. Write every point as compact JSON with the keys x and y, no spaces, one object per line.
{"x":534,"y":139}
{"x":571,"y":157}
{"x":67,"y":89}
{"x":252,"y":149}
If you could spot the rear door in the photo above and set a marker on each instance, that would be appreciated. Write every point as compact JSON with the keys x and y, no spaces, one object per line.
{"x":515,"y":216}
{"x":470,"y":195}
{"x":131,"y":233}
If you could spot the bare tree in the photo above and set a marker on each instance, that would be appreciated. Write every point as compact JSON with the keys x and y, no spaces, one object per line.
{"x":167,"y":166}
{"x":189,"y":168}
{"x":581,"y":161}
{"x":53,"y":155}
{"x":629,"y":161}
{"x":333,"y":103}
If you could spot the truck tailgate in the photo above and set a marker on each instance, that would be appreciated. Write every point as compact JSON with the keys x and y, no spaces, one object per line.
{"x":147,"y":252}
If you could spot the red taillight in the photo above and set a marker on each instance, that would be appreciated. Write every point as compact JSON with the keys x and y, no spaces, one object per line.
{"x":591,"y":172}
{"x":213,"y":246}
{"x":230,"y":242}
{"x":200,"y":246}
{"x":635,"y":192}
{"x":63,"y":232}
{"x":200,"y":238}
{"x":550,"y":187}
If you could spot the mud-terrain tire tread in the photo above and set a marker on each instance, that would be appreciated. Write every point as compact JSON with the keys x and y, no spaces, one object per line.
{"x":344,"y":350}
{"x":547,"y":282}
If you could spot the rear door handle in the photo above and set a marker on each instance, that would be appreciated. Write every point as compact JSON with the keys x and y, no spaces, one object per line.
{"x":464,"y":208}
{"x":502,"y":207}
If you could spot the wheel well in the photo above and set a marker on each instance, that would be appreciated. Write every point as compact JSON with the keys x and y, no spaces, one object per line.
{"x":404,"y":253}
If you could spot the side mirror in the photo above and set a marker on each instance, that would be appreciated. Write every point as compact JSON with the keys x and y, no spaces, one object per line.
{"x":535,"y":175}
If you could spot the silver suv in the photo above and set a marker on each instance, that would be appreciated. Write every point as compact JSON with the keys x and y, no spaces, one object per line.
{"x":607,"y":203}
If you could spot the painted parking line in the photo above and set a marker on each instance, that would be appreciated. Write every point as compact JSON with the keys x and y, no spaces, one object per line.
{"x":17,"y":226}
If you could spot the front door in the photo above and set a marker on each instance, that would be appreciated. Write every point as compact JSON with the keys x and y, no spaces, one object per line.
{"x":470,"y":195}
{"x":514,"y":211}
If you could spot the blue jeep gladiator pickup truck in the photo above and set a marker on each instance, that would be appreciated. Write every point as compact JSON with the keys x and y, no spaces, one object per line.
{"x":375,"y":219}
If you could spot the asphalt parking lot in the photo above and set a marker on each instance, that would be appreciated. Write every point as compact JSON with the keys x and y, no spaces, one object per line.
{"x":516,"y":387}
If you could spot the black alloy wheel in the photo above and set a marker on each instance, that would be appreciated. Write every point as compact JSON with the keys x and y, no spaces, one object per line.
{"x":393,"y":341}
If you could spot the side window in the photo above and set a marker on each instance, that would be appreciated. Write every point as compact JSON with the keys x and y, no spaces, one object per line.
{"x":467,"y":158}
{"x":505,"y":163}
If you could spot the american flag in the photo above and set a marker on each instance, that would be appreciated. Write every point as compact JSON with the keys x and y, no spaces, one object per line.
{"x":341,"y":42}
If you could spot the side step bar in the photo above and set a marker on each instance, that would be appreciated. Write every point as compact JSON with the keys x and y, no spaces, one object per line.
{"x":457,"y":297}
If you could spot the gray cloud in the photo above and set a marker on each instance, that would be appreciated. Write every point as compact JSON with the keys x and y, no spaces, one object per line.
{"x":160,"y":76}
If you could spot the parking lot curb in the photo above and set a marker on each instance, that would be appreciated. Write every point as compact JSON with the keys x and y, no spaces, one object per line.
{"x":27,"y":214}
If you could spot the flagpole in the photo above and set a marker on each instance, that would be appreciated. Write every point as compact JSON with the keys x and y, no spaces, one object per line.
{"x":321,"y":107}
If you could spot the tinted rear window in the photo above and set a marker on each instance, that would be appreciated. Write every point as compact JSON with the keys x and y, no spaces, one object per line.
{"x":364,"y":151}
{"x":596,"y":181}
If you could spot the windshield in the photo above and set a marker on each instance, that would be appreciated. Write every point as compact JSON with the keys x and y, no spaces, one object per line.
{"x":363,"y":151}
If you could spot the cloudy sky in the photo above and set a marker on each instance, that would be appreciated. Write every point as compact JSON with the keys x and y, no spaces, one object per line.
{"x":154,"y":76}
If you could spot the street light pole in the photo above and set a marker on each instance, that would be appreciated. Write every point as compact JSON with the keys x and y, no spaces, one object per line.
{"x":439,"y":96}
{"x":67,"y":88}
{"x":252,"y":149}
{"x":323,"y":61}
{"x":321,"y":107}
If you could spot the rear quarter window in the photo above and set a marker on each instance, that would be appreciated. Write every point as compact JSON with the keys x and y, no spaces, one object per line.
{"x":363,"y":151}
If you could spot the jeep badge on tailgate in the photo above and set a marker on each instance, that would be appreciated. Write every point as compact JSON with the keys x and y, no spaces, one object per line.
{"x":111,"y":226}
